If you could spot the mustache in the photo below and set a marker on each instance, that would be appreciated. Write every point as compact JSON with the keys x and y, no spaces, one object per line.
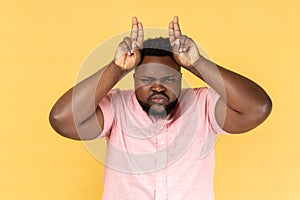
{"x":159,"y":93}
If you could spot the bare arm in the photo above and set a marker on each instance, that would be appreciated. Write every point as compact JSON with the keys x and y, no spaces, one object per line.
{"x":76,"y":114}
{"x":243,"y":104}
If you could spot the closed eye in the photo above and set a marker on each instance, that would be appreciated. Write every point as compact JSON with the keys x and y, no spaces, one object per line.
{"x":147,"y":80}
{"x":168,"y":80}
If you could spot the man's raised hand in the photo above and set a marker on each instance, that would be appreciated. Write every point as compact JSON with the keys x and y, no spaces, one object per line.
{"x":185,"y":51}
{"x":128,"y":53}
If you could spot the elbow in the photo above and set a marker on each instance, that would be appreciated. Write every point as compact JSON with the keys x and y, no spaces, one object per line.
{"x":56,"y":121}
{"x":267,"y":107}
{"x":244,"y":122}
{"x":60,"y":123}
{"x":263,"y":110}
{"x":64,"y":125}
{"x":60,"y":126}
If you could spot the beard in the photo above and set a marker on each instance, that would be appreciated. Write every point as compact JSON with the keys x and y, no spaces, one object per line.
{"x":158,"y":110}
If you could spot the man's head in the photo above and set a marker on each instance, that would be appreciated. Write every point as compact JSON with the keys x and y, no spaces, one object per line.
{"x":157,"y":78}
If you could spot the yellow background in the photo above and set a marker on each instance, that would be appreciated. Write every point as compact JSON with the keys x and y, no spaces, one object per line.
{"x":44,"y":43}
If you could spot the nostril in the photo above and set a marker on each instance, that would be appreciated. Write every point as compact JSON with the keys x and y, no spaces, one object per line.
{"x":158,"y":87}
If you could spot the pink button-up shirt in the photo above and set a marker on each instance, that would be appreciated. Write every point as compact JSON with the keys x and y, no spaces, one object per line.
{"x":162,"y":159}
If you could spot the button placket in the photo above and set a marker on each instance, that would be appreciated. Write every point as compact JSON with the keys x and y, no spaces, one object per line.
{"x":161,"y":179}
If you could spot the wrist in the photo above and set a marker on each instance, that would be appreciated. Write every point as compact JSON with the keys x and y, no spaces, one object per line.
{"x":199,"y":61}
{"x":196,"y":67}
{"x":118,"y":69}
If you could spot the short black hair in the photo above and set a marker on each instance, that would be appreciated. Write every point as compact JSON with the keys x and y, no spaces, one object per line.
{"x":158,"y":46}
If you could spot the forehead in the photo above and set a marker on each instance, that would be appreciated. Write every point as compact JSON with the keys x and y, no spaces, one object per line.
{"x":155,"y":66}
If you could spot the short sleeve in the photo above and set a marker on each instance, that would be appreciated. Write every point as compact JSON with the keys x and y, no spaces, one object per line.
{"x":213,"y":99}
{"x":108,"y":111}
{"x":214,"y":129}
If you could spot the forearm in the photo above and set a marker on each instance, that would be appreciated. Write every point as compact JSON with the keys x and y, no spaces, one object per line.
{"x":80,"y":102}
{"x":76,"y":114}
{"x":87,"y":94}
{"x":243,"y":104}
{"x":238,"y":92}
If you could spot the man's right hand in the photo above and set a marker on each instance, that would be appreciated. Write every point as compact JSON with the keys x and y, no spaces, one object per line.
{"x":128,"y":53}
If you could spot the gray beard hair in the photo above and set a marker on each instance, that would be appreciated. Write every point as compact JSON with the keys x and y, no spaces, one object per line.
{"x":168,"y":109}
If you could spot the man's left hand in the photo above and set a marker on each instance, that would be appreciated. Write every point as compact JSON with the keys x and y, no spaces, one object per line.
{"x":185,"y":51}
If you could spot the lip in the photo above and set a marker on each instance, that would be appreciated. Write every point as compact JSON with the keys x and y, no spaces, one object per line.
{"x":158,"y":99}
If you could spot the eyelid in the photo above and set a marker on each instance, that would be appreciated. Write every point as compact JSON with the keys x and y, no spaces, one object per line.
{"x":168,"y":79}
{"x":162,"y":80}
{"x":148,"y":78}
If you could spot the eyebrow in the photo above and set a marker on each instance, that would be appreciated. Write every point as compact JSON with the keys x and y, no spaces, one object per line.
{"x":150,"y":77}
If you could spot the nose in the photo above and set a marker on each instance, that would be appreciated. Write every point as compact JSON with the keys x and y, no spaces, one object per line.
{"x":157,"y":87}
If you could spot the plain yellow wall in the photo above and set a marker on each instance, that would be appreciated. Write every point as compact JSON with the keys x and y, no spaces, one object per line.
{"x":44,"y":43}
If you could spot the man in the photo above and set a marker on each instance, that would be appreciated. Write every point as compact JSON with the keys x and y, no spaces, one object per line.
{"x":159,"y":136}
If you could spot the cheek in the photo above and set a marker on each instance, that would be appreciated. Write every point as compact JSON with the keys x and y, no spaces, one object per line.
{"x":142,"y":93}
{"x":174,"y":91}
{"x":172,"y":96}
{"x":138,"y":85}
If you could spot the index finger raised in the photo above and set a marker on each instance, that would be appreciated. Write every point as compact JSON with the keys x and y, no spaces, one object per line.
{"x":177,"y":30}
{"x":171,"y":32}
{"x":134,"y":29}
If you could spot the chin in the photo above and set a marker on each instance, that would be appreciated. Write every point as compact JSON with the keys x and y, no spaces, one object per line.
{"x":157,"y":111}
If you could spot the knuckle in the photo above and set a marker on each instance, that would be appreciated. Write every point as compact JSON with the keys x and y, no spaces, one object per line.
{"x":126,"y":39}
{"x":123,"y":44}
{"x":190,"y":39}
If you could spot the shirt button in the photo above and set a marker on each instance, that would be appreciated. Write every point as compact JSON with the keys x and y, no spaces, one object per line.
{"x":162,"y":142}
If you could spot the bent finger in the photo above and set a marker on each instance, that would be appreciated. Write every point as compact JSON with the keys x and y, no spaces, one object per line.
{"x":126,"y":45}
{"x":183,"y":45}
